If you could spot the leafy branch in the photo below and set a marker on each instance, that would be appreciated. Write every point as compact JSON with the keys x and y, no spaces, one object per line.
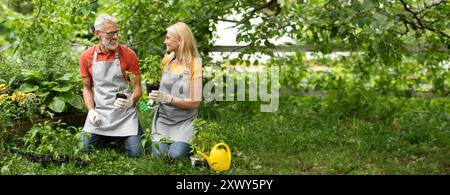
{"x":434,"y":4}
{"x":32,"y":25}
{"x":419,"y":21}
{"x":272,"y":5}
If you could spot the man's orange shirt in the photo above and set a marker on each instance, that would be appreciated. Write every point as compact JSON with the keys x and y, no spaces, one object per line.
{"x":128,"y":60}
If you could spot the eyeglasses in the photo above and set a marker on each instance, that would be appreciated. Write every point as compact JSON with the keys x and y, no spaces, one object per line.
{"x":112,"y":33}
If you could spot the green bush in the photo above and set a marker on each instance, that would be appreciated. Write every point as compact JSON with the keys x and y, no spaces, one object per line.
{"x":59,"y":91}
{"x":19,"y":106}
{"x":49,"y":141}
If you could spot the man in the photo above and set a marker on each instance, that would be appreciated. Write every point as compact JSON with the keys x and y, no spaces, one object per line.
{"x":102,"y":69}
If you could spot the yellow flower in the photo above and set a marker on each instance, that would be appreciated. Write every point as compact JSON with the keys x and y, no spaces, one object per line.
{"x":4,"y":97}
{"x":3,"y":89}
{"x":19,"y":97}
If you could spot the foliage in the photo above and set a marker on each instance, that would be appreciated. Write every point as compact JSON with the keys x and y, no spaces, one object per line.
{"x":145,"y":140}
{"x":10,"y":67}
{"x":53,"y":24}
{"x":206,"y":135}
{"x":128,"y":80}
{"x":388,"y":41}
{"x":392,"y":48}
{"x":400,"y":136}
{"x":42,"y":48}
{"x":19,"y":106}
{"x":51,"y":140}
{"x":292,"y":70}
{"x":55,"y":93}
{"x":53,"y":86}
{"x":151,"y":69}
{"x":9,"y":138}
{"x":353,"y":74}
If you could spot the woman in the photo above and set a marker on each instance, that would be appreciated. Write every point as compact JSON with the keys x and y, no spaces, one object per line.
{"x":179,"y":94}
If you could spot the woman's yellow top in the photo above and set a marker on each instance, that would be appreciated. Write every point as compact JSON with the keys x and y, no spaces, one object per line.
{"x":195,"y":67}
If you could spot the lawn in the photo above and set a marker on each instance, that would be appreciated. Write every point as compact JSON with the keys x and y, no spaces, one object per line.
{"x":307,"y":135}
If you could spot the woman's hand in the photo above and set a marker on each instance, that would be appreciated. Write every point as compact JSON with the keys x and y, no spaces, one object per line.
{"x":154,"y":109}
{"x":160,"y":96}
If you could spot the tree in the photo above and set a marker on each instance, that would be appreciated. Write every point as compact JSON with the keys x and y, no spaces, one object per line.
{"x":389,"y":41}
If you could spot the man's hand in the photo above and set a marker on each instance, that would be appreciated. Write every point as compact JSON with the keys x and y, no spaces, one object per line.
{"x":160,"y":96}
{"x":124,"y":103}
{"x":94,"y":117}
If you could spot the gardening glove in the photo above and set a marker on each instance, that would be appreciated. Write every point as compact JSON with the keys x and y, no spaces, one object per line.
{"x":160,"y":96}
{"x":94,"y":117}
{"x":124,"y":103}
{"x":151,"y":104}
{"x":150,"y":101}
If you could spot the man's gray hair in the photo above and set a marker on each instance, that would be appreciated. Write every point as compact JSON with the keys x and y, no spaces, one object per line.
{"x":104,"y":18}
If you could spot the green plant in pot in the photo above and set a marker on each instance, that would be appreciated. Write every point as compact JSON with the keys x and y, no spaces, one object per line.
{"x":151,"y":72}
{"x":129,"y":78}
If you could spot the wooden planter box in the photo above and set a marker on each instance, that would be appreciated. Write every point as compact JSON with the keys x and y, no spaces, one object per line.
{"x":73,"y":119}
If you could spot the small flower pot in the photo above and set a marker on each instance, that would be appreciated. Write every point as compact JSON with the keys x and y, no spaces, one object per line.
{"x":121,"y":95}
{"x":151,"y":87}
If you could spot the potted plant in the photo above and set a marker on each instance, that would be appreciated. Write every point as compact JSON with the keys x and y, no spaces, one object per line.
{"x":151,"y":72}
{"x":129,"y":79}
{"x":121,"y":95}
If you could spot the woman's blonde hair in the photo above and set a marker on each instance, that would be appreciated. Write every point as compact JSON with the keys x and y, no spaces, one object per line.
{"x":187,"y":50}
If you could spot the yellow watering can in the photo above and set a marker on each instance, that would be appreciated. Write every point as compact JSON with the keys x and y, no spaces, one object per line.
{"x":219,"y":158}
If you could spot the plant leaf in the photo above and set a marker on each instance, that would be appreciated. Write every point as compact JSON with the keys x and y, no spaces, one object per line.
{"x":74,"y":100}
{"x":66,"y":96}
{"x":42,"y":93}
{"x":65,"y":77}
{"x":26,"y":88}
{"x":57,"y":105}
{"x":63,"y":88}
{"x":77,"y":102}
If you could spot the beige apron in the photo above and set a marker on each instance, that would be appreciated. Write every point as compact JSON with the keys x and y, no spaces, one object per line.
{"x":171,"y":122}
{"x":108,"y":80}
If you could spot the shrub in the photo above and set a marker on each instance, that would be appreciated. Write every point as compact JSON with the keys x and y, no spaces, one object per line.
{"x":19,"y":106}
{"x":49,"y":141}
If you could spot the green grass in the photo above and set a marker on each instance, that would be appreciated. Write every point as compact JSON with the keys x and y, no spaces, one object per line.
{"x":305,"y":136}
